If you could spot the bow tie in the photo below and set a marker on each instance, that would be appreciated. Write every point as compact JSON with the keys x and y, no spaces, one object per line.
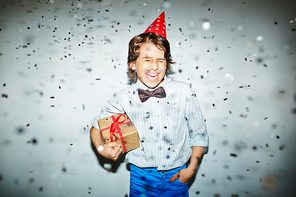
{"x":144,"y":95}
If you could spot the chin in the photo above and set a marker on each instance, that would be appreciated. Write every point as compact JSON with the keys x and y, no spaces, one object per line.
{"x":153,"y":85}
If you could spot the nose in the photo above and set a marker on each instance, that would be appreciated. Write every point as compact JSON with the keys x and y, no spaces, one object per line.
{"x":154,"y":65}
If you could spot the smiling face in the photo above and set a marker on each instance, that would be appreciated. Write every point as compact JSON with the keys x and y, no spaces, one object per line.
{"x":150,"y":65}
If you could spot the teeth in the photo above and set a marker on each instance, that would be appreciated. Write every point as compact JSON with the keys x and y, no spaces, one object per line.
{"x":152,"y":75}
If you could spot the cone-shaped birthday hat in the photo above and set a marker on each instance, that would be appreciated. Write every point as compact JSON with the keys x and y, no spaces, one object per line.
{"x":158,"y":26}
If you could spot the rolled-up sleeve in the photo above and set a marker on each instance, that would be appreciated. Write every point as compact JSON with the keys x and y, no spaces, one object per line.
{"x":196,"y":123}
{"x":113,"y":106}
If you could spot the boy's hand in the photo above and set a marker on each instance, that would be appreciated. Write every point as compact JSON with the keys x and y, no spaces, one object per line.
{"x":110,"y":150}
{"x":183,"y":175}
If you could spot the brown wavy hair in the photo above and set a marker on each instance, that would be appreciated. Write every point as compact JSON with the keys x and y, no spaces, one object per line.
{"x":134,"y":49}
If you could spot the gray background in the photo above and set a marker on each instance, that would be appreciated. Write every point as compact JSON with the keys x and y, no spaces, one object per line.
{"x":60,"y":61}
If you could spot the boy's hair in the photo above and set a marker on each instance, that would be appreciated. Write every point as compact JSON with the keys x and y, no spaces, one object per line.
{"x":134,"y":49}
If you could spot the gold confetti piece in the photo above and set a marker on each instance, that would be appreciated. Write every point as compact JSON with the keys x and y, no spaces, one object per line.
{"x":269,"y":182}
{"x":250,"y":43}
{"x":282,"y":147}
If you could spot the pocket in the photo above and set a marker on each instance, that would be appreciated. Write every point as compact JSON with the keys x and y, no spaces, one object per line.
{"x":181,"y":182}
{"x":137,"y":173}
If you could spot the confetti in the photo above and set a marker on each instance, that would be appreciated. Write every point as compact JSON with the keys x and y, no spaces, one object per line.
{"x":233,"y":155}
{"x":4,"y":96}
{"x":64,"y":169}
{"x":259,"y":38}
{"x":206,"y":26}
{"x":269,"y":182}
{"x":282,"y":147}
{"x":107,"y":166}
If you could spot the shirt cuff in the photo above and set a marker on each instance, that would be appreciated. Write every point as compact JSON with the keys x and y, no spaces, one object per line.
{"x":95,"y":123}
{"x":201,"y":140}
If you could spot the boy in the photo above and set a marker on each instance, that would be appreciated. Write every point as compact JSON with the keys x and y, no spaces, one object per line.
{"x":166,"y":114}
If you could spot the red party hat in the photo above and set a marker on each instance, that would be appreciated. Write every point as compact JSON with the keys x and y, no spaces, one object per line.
{"x":158,"y":26}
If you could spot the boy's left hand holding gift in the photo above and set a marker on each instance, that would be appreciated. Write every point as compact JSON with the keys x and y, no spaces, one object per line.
{"x":109,"y":150}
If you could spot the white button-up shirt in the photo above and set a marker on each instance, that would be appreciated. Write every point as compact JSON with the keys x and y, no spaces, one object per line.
{"x":167,"y":127}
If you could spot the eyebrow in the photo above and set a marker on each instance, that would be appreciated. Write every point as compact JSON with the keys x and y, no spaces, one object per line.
{"x":147,"y":57}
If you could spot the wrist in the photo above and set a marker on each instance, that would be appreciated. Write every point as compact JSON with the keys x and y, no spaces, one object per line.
{"x":193,"y":164}
{"x":192,"y":167}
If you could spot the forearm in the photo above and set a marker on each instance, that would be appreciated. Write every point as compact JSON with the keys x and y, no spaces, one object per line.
{"x":196,"y":155}
{"x":96,"y":137}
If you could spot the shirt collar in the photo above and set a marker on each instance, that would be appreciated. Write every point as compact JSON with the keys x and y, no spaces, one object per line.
{"x":140,"y":85}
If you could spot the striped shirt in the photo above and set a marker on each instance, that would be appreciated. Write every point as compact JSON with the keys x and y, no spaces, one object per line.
{"x":167,"y":127}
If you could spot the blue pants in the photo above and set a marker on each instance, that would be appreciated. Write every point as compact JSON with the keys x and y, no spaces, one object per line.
{"x":149,"y":182}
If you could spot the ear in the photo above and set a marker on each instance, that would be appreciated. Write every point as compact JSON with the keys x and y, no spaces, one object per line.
{"x":132,"y":65}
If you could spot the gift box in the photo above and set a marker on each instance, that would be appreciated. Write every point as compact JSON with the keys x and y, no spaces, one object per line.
{"x":119,"y":128}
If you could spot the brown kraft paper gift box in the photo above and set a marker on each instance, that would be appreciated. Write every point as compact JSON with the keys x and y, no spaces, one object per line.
{"x":122,"y":131}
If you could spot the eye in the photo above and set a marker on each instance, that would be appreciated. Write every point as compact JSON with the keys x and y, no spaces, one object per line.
{"x":147,"y":60}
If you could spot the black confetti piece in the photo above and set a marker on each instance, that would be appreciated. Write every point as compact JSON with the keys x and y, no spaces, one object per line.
{"x":31,"y":180}
{"x":233,"y":155}
{"x":16,"y":182}
{"x":4,"y":96}
{"x":34,"y":141}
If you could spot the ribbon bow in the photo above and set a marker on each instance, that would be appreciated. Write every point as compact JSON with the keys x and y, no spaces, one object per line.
{"x":144,"y":95}
{"x":114,"y":128}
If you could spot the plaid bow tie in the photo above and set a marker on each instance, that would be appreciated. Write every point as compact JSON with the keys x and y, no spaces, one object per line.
{"x":144,"y":95}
